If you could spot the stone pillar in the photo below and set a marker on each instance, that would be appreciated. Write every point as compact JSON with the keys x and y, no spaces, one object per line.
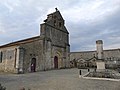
{"x":67,"y":62}
{"x":21,"y":60}
{"x":100,"y":60}
{"x":48,"y":55}
{"x":99,"y":47}
{"x":17,"y":59}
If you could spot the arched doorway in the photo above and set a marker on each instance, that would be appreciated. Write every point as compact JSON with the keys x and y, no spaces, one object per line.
{"x":33,"y":65}
{"x":55,"y":62}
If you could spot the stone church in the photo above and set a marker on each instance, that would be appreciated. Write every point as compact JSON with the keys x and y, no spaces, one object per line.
{"x":49,"y":50}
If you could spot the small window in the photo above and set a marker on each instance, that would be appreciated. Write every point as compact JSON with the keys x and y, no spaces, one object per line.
{"x":1,"y":55}
{"x":60,"y":24}
{"x":55,"y":17}
{"x":10,"y":54}
{"x":10,"y":57}
{"x":54,"y":22}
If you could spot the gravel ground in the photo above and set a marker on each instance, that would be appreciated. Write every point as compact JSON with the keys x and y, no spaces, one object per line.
{"x":64,"y":79}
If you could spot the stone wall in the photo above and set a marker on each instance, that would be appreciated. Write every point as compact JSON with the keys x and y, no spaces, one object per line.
{"x":84,"y":55}
{"x":113,"y":54}
{"x":31,"y":50}
{"x":111,"y":57}
{"x":8,"y":59}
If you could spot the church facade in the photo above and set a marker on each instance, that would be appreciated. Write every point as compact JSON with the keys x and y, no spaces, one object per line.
{"x":49,"y":50}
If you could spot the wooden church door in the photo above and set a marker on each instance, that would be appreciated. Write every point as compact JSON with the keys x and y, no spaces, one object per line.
{"x":55,"y":62}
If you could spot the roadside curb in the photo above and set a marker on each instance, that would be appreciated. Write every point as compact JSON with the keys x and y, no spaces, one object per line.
{"x":108,"y":79}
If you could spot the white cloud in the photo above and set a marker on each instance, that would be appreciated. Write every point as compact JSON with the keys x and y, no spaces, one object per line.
{"x":10,"y":4}
{"x":92,"y":11}
{"x":10,"y":8}
{"x":112,"y":46}
{"x":2,"y":30}
{"x":86,"y":20}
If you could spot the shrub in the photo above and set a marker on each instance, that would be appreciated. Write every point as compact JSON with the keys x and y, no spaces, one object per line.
{"x":2,"y":87}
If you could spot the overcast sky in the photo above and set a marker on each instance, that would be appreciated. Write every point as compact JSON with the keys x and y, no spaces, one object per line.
{"x":86,"y":21}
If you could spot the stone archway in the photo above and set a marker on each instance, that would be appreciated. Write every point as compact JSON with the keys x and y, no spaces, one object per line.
{"x":55,"y":62}
{"x":57,"y":59}
{"x":33,"y":65}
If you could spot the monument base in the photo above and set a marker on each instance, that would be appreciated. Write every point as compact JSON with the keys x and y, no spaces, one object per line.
{"x":100,"y":65}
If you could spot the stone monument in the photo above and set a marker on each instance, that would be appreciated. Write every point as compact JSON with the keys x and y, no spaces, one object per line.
{"x":101,"y":71}
{"x":100,"y":57}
